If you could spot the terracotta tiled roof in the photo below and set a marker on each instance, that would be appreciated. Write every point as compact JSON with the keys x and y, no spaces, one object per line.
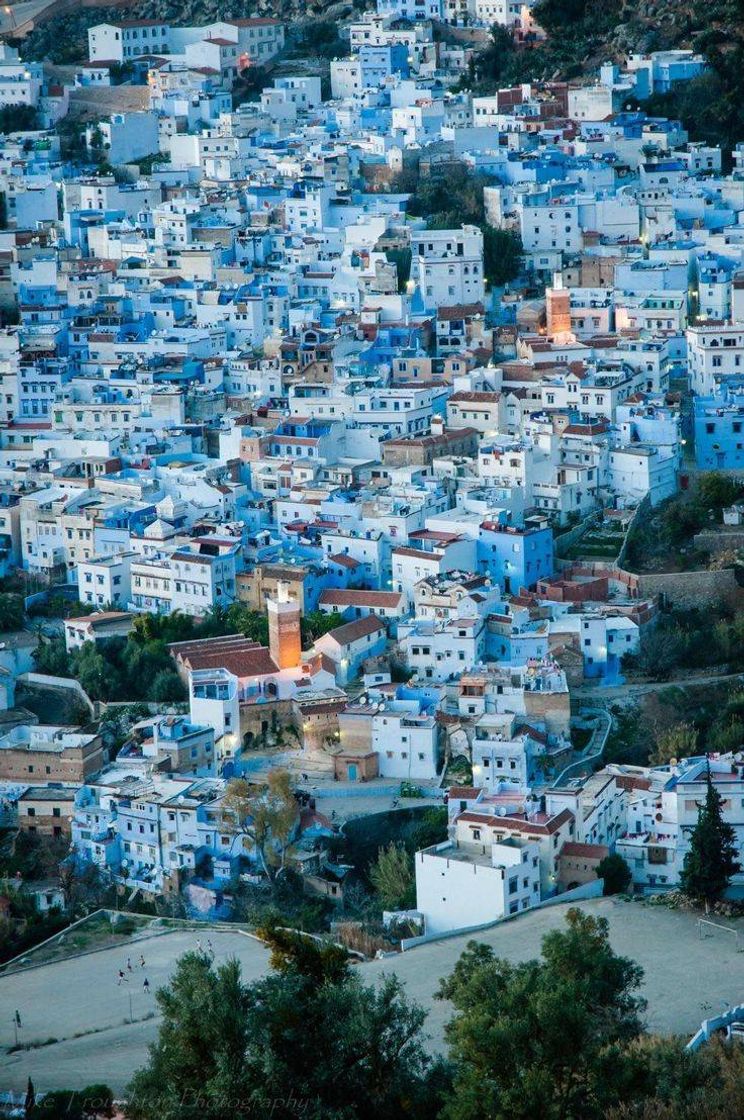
{"x":353,"y":631}
{"x":588,"y":851}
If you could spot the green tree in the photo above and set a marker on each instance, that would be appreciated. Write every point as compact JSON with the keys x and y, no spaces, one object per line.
{"x":661,"y":652}
{"x":318,"y":961}
{"x":252,"y":624}
{"x":266,"y":817}
{"x":393,"y":879}
{"x":707,"y":1084}
{"x":18,"y":118}
{"x":201,"y":1043}
{"x":616,"y":874}
{"x":546,"y":1037}
{"x":97,"y":675}
{"x":167,"y":687}
{"x":431,"y":829}
{"x":11,"y":611}
{"x":73,"y":1104}
{"x":711,"y":859}
{"x":320,"y":39}
{"x":493,"y":66}
{"x":311,"y":1036}
{"x":502,"y":255}
{"x":51,"y":657}
{"x":401,"y":258}
{"x":316,"y":623}
{"x":726,"y":734}
{"x":716,"y":491}
{"x":678,"y":741}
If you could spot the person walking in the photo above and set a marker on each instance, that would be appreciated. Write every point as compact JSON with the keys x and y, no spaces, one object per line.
{"x":210,"y":949}
{"x":146,"y":987}
{"x":129,"y":964}
{"x":122,"y":977}
{"x":142,"y":961}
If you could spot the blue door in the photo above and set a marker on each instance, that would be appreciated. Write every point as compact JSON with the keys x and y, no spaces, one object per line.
{"x":351,"y":772}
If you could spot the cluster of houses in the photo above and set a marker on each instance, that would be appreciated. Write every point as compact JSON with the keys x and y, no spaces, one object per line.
{"x":236,"y":370}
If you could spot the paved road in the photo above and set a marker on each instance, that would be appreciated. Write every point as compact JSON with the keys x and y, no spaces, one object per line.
{"x":686,"y":980}
{"x":594,"y":750}
{"x":19,"y":13}
{"x":618,"y":691}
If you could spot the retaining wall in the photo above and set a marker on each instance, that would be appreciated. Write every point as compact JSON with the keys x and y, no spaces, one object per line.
{"x":690,"y":589}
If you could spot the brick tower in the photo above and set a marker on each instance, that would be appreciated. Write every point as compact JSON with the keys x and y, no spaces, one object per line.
{"x":284,"y":628}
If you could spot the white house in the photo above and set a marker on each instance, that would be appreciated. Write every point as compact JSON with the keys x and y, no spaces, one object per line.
{"x":21,"y":82}
{"x":406,"y":740}
{"x":638,"y":470}
{"x":202,"y":580}
{"x":349,"y":645}
{"x":106,"y":580}
{"x":127,"y":40}
{"x":448,"y":266}
{"x":125,"y":137}
{"x":463,"y":882}
{"x":214,"y":700}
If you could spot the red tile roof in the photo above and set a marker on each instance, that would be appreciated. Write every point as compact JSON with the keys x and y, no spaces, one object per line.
{"x":343,"y":597}
{"x":544,"y":827}
{"x":588,"y":851}
{"x":353,"y":631}
{"x":465,"y":793}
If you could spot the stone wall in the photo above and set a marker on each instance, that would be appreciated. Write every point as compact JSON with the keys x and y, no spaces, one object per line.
{"x":641,"y":513}
{"x":566,"y":540}
{"x":690,"y":589}
{"x":719,"y":540}
{"x":552,"y":708}
{"x":564,"y":591}
{"x":257,"y":718}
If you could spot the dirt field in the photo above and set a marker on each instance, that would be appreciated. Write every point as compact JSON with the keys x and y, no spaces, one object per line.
{"x":686,"y":980}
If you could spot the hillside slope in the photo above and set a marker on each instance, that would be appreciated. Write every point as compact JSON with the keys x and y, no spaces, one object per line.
{"x":63,"y":38}
{"x":582,"y":34}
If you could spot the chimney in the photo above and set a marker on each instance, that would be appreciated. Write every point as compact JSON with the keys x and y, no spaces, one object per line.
{"x":437,"y":426}
{"x":284,"y":628}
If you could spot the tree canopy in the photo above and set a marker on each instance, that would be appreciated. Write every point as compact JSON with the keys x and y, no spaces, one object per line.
{"x":310,"y":1036}
{"x":560,"y":1038}
{"x":392,"y":877}
{"x":11,"y":611}
{"x":140,"y":666}
{"x":452,"y":197}
{"x":267,"y":817}
{"x":711,"y":859}
{"x":547,"y":1037}
{"x":678,"y":741}
{"x":615,"y":872}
